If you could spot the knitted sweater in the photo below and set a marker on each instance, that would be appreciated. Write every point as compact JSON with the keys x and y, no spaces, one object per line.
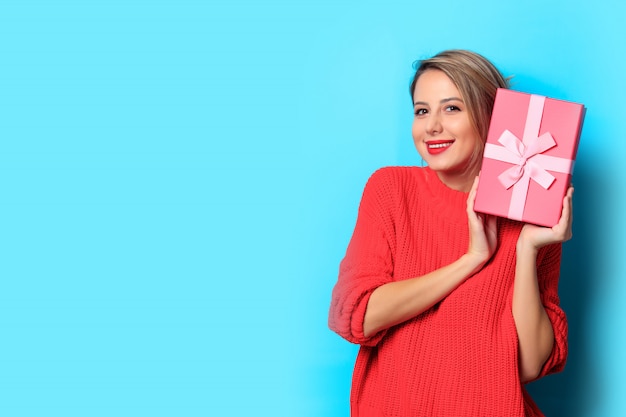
{"x":460,"y":357}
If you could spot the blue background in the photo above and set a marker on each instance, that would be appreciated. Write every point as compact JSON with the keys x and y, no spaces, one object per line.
{"x":179,"y":181}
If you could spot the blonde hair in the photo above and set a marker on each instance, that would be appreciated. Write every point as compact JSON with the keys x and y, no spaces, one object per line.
{"x":476,"y":78}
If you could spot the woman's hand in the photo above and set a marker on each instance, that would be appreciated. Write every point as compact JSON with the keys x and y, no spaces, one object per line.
{"x":483,"y":230}
{"x":535,"y":237}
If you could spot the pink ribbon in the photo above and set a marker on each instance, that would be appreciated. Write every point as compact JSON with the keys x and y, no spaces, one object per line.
{"x":527,"y":159}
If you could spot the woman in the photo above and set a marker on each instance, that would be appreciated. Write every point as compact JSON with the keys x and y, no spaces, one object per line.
{"x":454,"y":310}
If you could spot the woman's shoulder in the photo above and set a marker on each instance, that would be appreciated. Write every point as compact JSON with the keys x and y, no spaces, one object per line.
{"x":390,"y":186}
{"x":386,"y":190}
{"x":398,"y":176}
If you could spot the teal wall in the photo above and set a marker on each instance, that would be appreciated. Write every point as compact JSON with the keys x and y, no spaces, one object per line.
{"x":179,"y":181}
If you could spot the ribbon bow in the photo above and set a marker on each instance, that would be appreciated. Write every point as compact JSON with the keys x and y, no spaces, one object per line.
{"x":522,"y":155}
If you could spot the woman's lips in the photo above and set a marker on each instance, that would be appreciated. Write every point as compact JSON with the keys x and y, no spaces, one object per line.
{"x":437,"y":146}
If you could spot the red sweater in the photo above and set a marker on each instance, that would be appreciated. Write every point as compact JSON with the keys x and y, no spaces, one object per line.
{"x":460,"y":357}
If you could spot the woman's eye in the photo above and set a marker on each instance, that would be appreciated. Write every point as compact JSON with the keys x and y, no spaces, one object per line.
{"x":452,"y":108}
{"x":420,"y":112}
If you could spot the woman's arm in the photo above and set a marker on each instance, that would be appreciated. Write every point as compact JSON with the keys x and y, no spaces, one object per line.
{"x":534,"y":328}
{"x":396,"y":302}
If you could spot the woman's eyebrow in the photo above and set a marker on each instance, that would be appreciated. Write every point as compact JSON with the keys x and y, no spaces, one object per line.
{"x":444,"y":100}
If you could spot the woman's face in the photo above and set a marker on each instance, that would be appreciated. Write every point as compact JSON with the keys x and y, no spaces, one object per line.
{"x":442,"y":131}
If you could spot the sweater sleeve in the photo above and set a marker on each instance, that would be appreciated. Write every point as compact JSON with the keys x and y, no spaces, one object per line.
{"x":368,"y":264}
{"x":548,"y":271}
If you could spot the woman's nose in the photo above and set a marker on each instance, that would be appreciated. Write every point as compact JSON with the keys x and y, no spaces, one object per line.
{"x":433,"y":124}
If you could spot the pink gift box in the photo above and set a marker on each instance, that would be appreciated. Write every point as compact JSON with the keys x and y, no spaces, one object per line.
{"x":529,"y":157}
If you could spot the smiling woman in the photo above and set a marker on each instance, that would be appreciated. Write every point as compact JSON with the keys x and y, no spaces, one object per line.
{"x":454,"y":311}
{"x":442,"y":130}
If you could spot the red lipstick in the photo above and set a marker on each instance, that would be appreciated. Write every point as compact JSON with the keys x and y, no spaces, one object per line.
{"x":435,"y":147}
